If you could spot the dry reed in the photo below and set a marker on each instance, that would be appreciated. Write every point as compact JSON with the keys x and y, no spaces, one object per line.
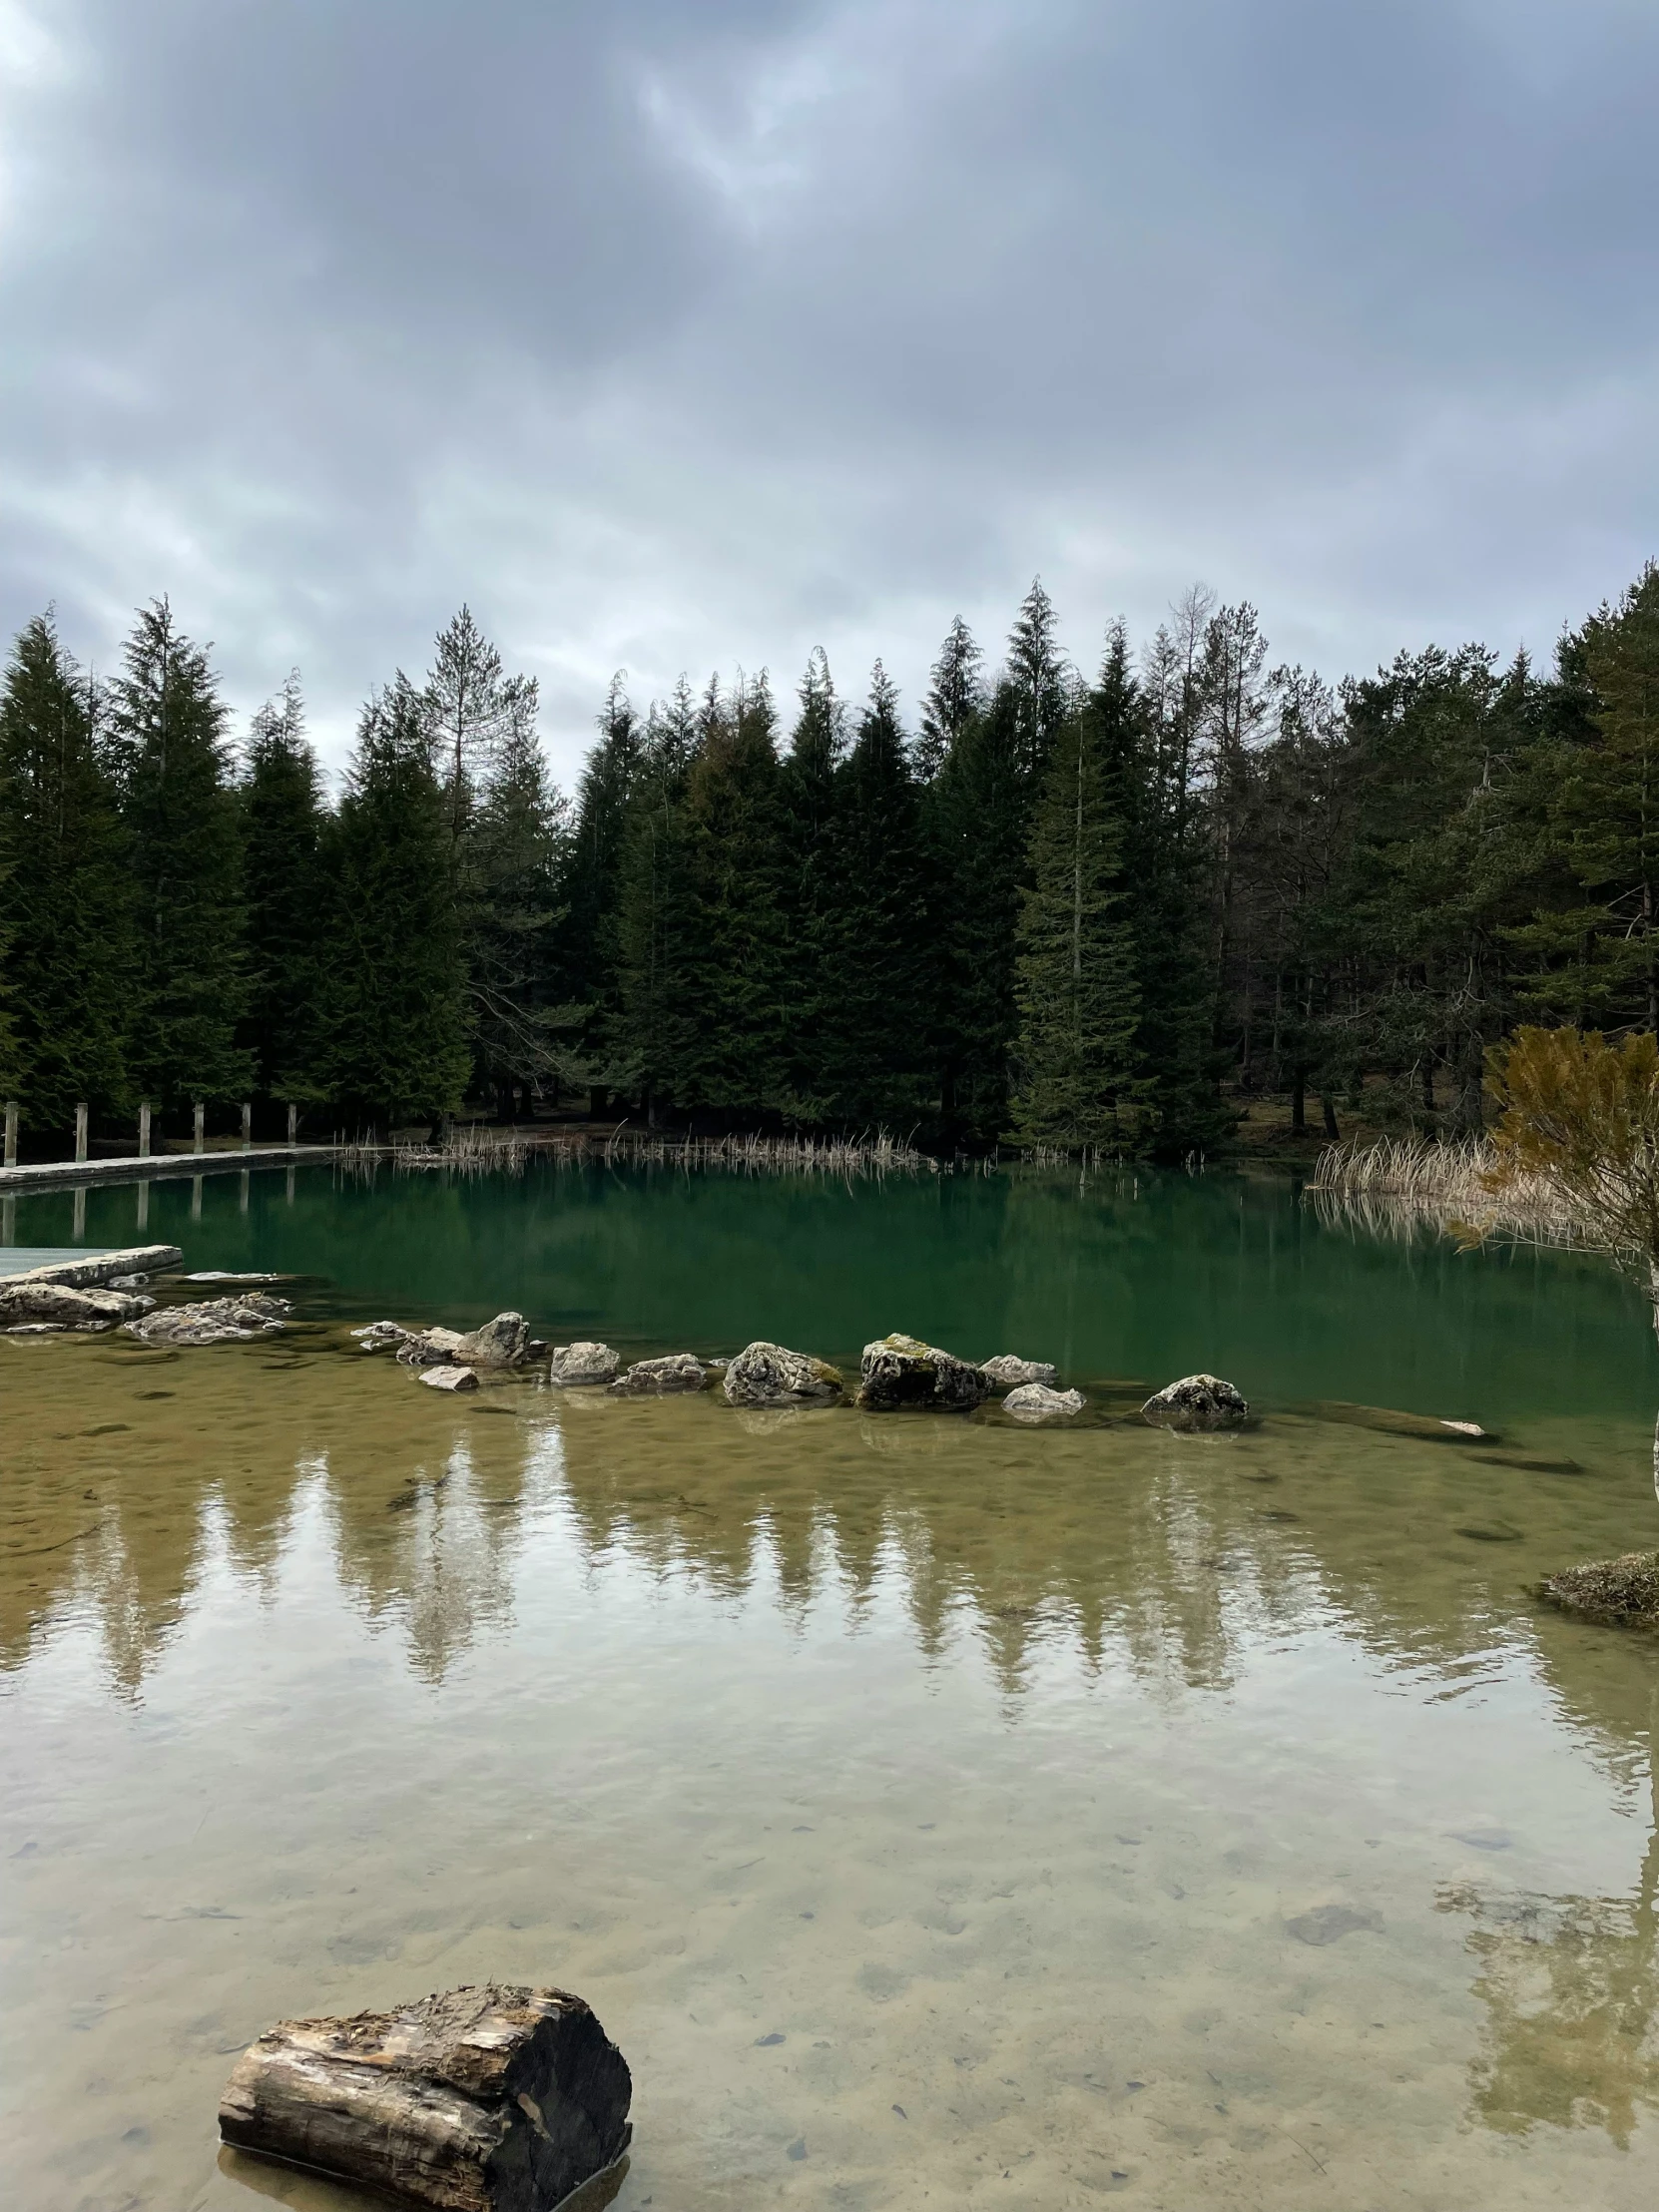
{"x":845,"y":1158}
{"x":1397,"y":1186}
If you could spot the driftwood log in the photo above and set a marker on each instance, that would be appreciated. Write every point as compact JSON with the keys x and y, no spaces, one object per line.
{"x":497,"y":2099}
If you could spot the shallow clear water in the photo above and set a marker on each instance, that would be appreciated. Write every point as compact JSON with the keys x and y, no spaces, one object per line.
{"x":1088,"y":1812}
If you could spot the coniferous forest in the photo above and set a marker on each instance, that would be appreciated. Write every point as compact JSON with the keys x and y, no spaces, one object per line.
{"x":1069,"y":902}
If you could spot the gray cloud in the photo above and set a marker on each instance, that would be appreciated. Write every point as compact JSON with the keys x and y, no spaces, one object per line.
{"x":703,"y":333}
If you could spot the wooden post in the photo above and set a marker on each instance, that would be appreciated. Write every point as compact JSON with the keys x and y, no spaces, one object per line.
{"x":201,"y":1126}
{"x":11,"y":1132}
{"x":294,"y":1124}
{"x":80,"y":1132}
{"x":247,"y":1126}
{"x":144,"y":1129}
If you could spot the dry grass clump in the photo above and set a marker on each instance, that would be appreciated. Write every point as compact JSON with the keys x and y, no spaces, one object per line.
{"x":1395,"y":1186}
{"x":1622,"y":1593}
{"x":843,"y":1157}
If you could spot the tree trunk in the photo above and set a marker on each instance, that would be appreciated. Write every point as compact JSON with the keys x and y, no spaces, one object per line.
{"x":496,"y":2100}
{"x":1329,"y":1113}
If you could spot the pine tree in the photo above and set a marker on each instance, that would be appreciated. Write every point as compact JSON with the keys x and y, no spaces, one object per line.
{"x":65,"y":921}
{"x":592,"y":862}
{"x":282,"y":816}
{"x":874,"y":1023}
{"x":183,"y":823}
{"x":1079,"y":995}
{"x":393,"y":1035}
{"x":471,"y":710}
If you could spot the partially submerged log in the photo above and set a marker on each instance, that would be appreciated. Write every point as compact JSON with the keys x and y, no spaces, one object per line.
{"x":93,"y":1269}
{"x":494,"y":2099}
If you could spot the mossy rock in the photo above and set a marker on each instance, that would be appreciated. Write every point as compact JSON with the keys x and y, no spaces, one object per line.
{"x":1623,"y":1592}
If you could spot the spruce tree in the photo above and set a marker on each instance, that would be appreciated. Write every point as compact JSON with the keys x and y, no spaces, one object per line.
{"x":393,"y":1036}
{"x":1078,"y":987}
{"x":874,"y":1023}
{"x":976,"y":826}
{"x":516,"y":859}
{"x":1039,"y":680}
{"x":282,"y":816}
{"x":811,"y":887}
{"x":589,"y":946}
{"x":658,"y":1018}
{"x":184,"y":829}
{"x":65,"y":918}
{"x":955,"y":694}
{"x":736,"y":1056}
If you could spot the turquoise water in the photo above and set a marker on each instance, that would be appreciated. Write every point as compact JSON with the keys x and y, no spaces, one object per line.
{"x":1135,"y":1277}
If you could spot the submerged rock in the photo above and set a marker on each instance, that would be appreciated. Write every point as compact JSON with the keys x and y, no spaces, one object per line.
{"x":213,"y":1321}
{"x":32,"y":1299}
{"x":379,"y":1333}
{"x":428,"y":1348}
{"x":1621,"y":1593}
{"x":1008,"y":1370}
{"x":92,"y":1269}
{"x":1197,"y":1402}
{"x":768,"y":1374}
{"x":901,"y":1371}
{"x":450,"y":1378}
{"x":679,"y":1371}
{"x":582,"y":1367}
{"x":1036,"y":1402}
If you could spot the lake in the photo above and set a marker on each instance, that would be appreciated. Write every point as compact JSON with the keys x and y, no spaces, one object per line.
{"x":934,"y":1810}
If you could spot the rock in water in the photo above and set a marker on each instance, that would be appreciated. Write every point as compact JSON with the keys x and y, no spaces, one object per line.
{"x":449,"y":1379}
{"x":502,"y":1343}
{"x":901,"y":1371}
{"x":1197,"y":1402}
{"x":215,"y":1321}
{"x":681,"y":1371}
{"x":104,"y":1267}
{"x":29,"y":1299}
{"x":582,"y":1367}
{"x":498,"y":2099}
{"x":379,"y":1333}
{"x":768,"y":1374}
{"x":1008,"y":1369}
{"x":1036,"y":1402}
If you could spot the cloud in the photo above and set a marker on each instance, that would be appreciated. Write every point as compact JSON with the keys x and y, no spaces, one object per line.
{"x":698,"y":334}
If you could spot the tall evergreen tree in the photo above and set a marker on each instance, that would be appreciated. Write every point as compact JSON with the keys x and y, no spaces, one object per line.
{"x":658,"y":1018}
{"x":65,"y":921}
{"x":955,"y":694}
{"x":811,"y":886}
{"x":875,"y":1062}
{"x":736,"y":1058}
{"x":472,"y":710}
{"x":1079,"y":990}
{"x":392,"y":1033}
{"x":593,"y":858}
{"x":282,"y":813}
{"x":184,"y":828}
{"x":1039,"y":680}
{"x":976,"y":823}
{"x":516,"y":843}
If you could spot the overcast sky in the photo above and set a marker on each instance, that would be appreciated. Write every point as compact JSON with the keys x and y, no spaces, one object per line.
{"x":685,"y":334}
